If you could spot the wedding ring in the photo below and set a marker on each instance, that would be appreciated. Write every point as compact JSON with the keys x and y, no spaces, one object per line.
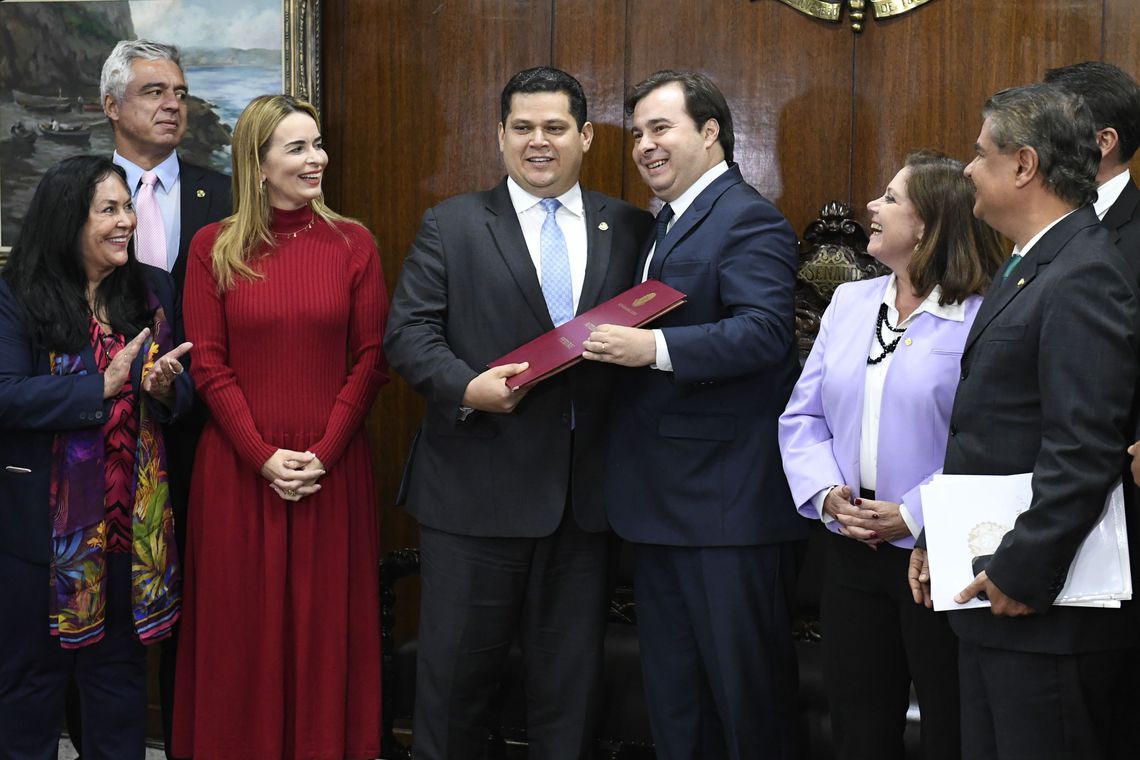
{"x":290,"y":492}
{"x":603,"y":346}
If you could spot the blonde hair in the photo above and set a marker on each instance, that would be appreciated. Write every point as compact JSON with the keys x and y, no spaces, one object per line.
{"x":247,"y":230}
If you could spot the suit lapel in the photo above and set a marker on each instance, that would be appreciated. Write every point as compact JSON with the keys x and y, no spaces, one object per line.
{"x":1121,"y":211}
{"x":693,"y":216}
{"x":1040,"y":255}
{"x":506,"y":234}
{"x":598,"y":238}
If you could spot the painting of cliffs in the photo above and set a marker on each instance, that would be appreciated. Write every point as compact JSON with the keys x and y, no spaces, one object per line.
{"x":51,"y":55}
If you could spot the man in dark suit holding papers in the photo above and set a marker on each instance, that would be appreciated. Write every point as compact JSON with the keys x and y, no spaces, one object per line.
{"x":695,"y":479}
{"x":1048,"y":374}
{"x":506,"y":485}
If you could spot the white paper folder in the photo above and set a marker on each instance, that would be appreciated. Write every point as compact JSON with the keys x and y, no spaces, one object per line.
{"x":967,"y":515}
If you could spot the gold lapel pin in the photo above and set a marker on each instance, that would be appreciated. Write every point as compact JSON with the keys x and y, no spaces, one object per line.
{"x":603,"y":226}
{"x":1021,"y":282}
{"x":908,"y":341}
{"x":200,"y":193}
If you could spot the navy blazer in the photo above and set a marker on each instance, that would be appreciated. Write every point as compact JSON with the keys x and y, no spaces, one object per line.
{"x":34,"y":406}
{"x":205,"y":197}
{"x":694,"y":457}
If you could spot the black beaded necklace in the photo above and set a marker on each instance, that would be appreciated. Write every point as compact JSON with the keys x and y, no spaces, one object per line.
{"x":888,"y":348}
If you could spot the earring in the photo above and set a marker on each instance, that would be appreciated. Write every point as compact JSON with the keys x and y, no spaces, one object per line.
{"x":261,"y":187}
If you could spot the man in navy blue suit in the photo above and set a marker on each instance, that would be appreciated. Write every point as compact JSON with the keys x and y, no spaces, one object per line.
{"x":695,"y":481}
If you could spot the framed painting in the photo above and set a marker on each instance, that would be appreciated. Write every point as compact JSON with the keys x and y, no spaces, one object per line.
{"x":52,"y":52}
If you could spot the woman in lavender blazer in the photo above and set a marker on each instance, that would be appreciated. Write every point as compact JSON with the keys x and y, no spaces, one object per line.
{"x":867,"y":425}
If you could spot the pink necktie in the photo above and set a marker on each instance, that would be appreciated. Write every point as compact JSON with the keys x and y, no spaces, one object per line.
{"x":150,"y":235}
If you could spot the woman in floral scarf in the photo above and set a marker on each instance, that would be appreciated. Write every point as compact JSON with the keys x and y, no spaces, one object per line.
{"x":90,"y":347}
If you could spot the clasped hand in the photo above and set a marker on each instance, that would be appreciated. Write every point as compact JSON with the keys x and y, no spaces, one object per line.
{"x":627,"y":346}
{"x":293,"y":475}
{"x":869,"y":521}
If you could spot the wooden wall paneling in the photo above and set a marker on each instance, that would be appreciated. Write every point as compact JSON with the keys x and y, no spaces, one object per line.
{"x":1122,"y":45}
{"x":921,"y":79}
{"x":589,"y":43}
{"x":787,"y":78}
{"x":412,"y":104}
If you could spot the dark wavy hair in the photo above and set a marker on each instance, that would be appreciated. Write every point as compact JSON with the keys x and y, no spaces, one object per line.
{"x":1059,"y":127}
{"x":703,"y":101}
{"x":45,"y":266}
{"x":957,"y":252}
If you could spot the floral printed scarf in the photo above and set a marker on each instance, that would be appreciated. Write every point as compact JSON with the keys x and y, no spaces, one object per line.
{"x":78,"y":575}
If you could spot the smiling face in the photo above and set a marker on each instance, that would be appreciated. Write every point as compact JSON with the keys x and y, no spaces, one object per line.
{"x":670,"y":149}
{"x":994,"y":175}
{"x":294,"y":163}
{"x":151,"y":119}
{"x":895,"y":225}
{"x":541,"y":143}
{"x":110,"y":223}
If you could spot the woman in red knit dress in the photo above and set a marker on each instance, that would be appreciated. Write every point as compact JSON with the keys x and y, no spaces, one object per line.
{"x":285,"y":302}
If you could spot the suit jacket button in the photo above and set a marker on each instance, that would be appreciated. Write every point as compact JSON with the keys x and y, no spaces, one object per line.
{"x":953,"y":431}
{"x":83,"y":415}
{"x":566,"y":418}
{"x":98,"y":415}
{"x":965,"y":374}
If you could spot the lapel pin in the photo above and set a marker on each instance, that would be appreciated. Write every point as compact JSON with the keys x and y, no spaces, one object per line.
{"x":908,"y":341}
{"x":201,"y":193}
{"x":603,"y":226}
{"x":1021,"y":282}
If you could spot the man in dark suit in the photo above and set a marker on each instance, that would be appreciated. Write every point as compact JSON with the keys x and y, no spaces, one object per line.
{"x":1048,"y":374}
{"x":505,"y":485}
{"x":695,"y":480}
{"x":144,"y":97}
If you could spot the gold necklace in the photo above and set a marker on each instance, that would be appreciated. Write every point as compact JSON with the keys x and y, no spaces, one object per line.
{"x":291,"y":235}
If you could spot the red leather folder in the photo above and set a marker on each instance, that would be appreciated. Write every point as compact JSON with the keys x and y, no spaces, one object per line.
{"x":561,"y":348}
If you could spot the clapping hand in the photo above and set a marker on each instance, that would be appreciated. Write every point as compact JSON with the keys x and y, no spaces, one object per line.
{"x":159,"y":382}
{"x":117,"y":372}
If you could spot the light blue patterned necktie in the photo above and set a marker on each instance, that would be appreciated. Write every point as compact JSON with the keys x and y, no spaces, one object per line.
{"x":557,"y":287}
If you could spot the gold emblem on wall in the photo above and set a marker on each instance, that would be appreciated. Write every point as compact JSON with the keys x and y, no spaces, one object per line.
{"x":831,"y":10}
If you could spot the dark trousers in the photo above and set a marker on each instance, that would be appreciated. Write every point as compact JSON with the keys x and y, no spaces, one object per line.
{"x":34,"y":671}
{"x":876,"y":640}
{"x":716,"y":650}
{"x":1030,"y":706}
{"x":477,"y":595}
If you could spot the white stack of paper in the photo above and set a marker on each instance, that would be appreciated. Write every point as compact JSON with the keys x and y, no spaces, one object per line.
{"x":966,"y":516}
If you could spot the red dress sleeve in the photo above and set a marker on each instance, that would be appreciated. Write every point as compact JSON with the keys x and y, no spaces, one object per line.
{"x":205,"y":318}
{"x":368,"y":314}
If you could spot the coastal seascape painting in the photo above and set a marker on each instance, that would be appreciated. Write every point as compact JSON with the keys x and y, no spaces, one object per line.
{"x":52,"y":52}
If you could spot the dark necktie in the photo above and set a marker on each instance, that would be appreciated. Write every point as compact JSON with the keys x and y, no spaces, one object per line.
{"x":1010,"y":266}
{"x":664,"y":216}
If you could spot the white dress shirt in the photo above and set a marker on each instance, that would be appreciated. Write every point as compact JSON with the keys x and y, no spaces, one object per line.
{"x":1107,"y":193}
{"x":168,"y":192}
{"x":679,"y":206}
{"x":571,"y":219}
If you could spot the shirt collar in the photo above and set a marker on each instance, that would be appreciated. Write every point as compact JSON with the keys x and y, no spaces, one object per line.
{"x":1033,"y":240}
{"x":524,"y":201}
{"x":954,"y":312}
{"x":1107,"y":193}
{"x":685,"y":199}
{"x":167,"y":171}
